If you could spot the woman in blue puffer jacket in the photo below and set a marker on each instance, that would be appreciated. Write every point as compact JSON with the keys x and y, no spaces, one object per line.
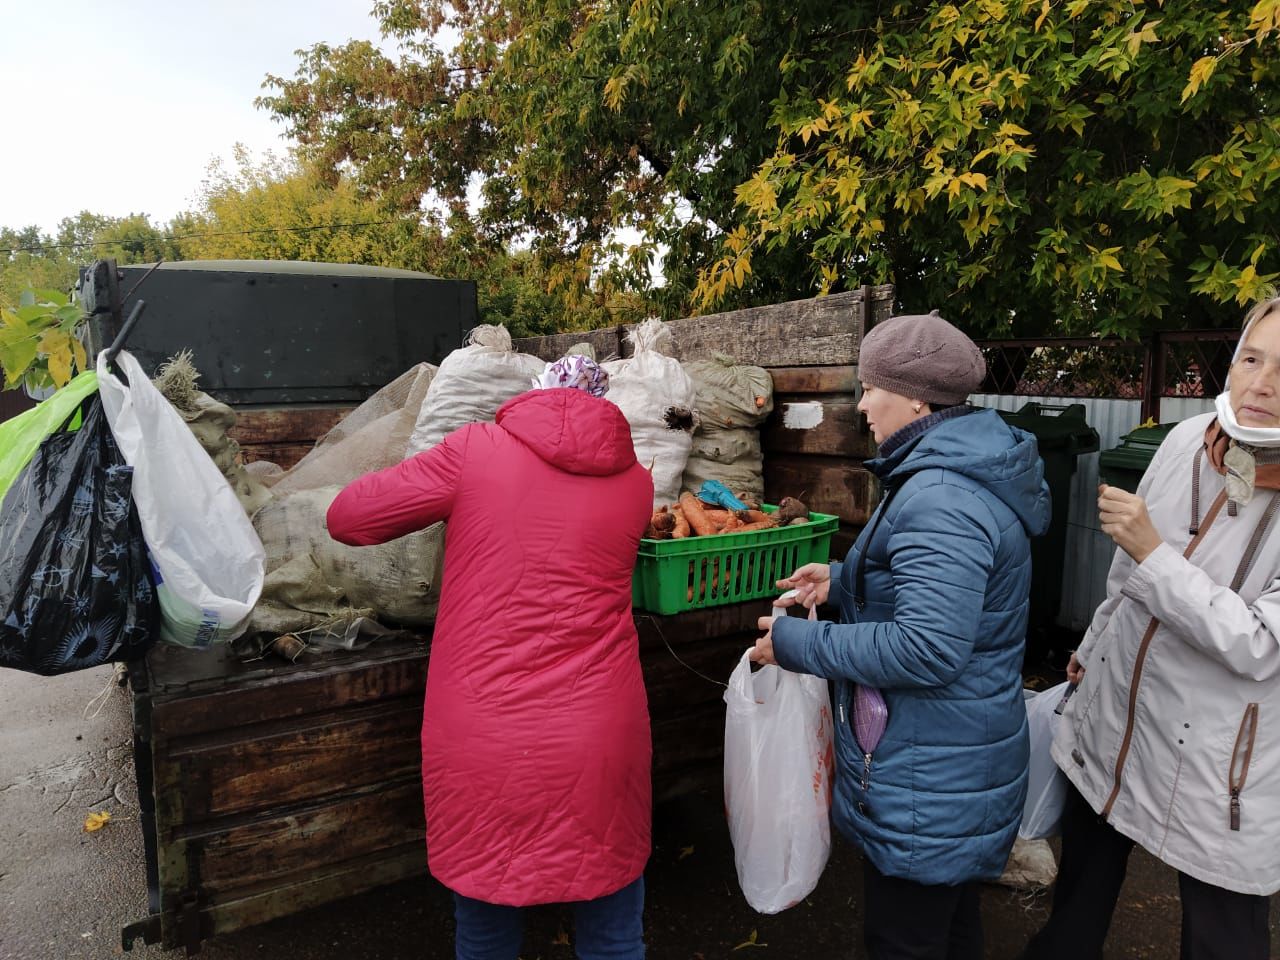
{"x":933,"y":602}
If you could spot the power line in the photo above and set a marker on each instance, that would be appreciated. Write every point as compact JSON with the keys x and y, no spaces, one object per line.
{"x":40,"y":247}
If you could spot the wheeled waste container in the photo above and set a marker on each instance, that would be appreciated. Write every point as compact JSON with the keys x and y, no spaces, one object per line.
{"x":1125,"y":463}
{"x":1062,"y":436}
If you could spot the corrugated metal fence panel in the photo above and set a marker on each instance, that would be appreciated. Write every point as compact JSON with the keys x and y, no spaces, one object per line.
{"x":1089,"y":550}
{"x":1173,"y":409}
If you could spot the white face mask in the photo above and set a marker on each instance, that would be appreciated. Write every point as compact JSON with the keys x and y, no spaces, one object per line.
{"x":1252,"y":436}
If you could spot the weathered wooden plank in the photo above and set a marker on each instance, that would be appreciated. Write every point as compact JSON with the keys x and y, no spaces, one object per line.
{"x":309,"y":839}
{"x":816,"y":425}
{"x":247,"y":770}
{"x":285,"y":424}
{"x":606,"y":342}
{"x":180,"y":671}
{"x":696,"y":626}
{"x":304,"y":891}
{"x":799,"y":333}
{"x":826,"y":484}
{"x":14,"y":402}
{"x":824,"y":331}
{"x":694,"y":759}
{"x":879,"y":304}
{"x":333,"y":683}
{"x":285,"y":455}
{"x":841,"y":379}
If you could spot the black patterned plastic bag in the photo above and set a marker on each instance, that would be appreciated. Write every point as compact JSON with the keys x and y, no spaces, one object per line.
{"x":75,"y":590}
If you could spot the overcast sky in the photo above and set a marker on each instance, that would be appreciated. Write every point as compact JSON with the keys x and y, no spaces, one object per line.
{"x":118,"y":107}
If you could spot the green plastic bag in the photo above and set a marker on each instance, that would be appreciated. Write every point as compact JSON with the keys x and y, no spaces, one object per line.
{"x":22,"y":435}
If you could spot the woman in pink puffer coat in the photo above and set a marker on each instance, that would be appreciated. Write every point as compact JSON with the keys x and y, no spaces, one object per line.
{"x":535,"y":734}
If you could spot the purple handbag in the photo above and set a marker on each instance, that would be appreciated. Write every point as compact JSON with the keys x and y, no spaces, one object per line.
{"x":870,"y":717}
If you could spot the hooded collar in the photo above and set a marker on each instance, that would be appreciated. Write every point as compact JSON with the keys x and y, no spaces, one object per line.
{"x":571,"y":430}
{"x":918,"y":427}
{"x":982,"y":447}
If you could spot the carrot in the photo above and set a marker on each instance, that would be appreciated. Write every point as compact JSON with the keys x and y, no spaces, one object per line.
{"x":732,"y":525}
{"x":681,"y":529}
{"x":718,"y":517}
{"x":758,"y":525}
{"x":699,"y":522}
{"x":755,"y":516}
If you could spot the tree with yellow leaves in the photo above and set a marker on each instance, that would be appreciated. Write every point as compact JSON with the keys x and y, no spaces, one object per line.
{"x":1028,"y":166}
{"x":1032,"y":166}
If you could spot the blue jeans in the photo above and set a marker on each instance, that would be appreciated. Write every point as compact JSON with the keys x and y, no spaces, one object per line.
{"x":606,"y":928}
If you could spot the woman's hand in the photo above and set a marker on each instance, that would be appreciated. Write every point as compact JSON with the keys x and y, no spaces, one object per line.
{"x":1125,"y":520}
{"x":811,"y":583}
{"x":763,"y":651}
{"x":1075,"y":669}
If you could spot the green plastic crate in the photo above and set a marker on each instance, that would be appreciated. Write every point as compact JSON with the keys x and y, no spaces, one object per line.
{"x":688,"y":574}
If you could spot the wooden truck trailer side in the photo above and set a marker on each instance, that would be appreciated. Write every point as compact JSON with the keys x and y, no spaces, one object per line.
{"x":269,"y":787}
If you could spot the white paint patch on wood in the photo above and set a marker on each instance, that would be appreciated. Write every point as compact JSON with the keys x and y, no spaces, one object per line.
{"x":802,"y":416}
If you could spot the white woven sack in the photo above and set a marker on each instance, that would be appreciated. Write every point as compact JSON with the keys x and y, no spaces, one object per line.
{"x":645,"y":386}
{"x":471,"y":384}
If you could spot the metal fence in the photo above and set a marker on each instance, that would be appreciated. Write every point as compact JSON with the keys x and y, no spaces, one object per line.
{"x":1184,"y":364}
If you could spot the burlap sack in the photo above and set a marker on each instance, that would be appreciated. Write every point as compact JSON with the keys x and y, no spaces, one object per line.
{"x":210,"y":421}
{"x":732,"y":400}
{"x":311,"y":578}
{"x":314,"y":580}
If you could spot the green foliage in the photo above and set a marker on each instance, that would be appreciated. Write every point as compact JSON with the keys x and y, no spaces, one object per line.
{"x":568,"y":125}
{"x":283,"y":209}
{"x":1033,"y":166}
{"x":50,"y":262}
{"x":39,"y":340}
{"x":33,"y":264}
{"x":1027,"y":166}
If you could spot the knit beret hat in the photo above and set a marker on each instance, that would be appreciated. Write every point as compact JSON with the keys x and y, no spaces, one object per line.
{"x":922,"y":358}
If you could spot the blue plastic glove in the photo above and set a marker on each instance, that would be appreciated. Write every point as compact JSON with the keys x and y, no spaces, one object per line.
{"x":713,"y":491}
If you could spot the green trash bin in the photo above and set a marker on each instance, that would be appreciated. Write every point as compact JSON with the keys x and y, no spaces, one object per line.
{"x":1124,"y":464}
{"x":1062,"y":436}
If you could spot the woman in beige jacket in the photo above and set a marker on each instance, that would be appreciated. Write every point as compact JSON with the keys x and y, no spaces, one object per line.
{"x":1172,"y":739}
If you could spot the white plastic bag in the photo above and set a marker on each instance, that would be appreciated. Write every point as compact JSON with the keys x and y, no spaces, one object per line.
{"x":778,"y":759}
{"x":1046,"y":785}
{"x":205,"y":557}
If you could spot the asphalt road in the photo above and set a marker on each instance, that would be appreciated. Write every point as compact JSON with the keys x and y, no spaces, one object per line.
{"x":65,"y":893}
